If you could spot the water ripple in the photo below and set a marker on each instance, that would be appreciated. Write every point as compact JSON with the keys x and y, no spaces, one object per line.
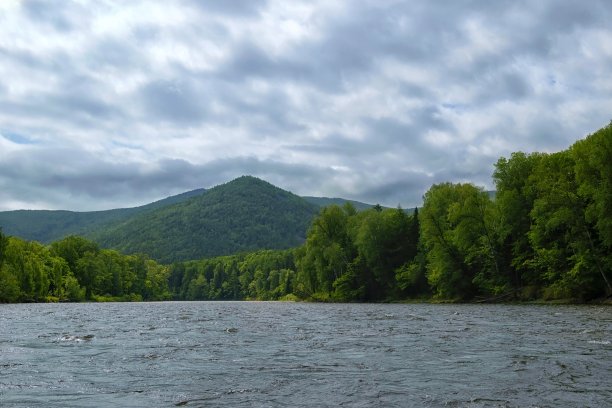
{"x":302,"y":355}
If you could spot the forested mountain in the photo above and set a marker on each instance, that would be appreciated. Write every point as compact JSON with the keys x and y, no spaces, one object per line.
{"x":46,"y":226}
{"x":245,"y":214}
{"x":326,"y":201}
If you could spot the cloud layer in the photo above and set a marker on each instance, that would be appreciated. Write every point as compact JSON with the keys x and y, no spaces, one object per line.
{"x":112,"y":103}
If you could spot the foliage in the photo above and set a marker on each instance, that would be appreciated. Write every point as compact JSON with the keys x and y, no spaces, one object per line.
{"x":593,"y":167}
{"x":514,"y":200}
{"x":262,"y":275}
{"x":555,"y":216}
{"x":75,"y":269}
{"x":569,"y":253}
{"x":458,"y":238}
{"x":354,"y":256}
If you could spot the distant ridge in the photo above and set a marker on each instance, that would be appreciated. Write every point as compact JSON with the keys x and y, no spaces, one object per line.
{"x":50,"y":225}
{"x":326,"y":201}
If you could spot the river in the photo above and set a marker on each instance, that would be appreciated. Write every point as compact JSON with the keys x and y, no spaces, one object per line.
{"x":276,"y":354}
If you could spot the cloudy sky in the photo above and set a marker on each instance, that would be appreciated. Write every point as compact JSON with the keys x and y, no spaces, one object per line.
{"x":109,"y":104}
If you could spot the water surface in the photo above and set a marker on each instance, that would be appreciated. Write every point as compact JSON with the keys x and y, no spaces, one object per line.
{"x":261,"y":354}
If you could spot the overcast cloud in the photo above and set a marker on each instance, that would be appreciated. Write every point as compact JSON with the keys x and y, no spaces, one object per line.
{"x":109,"y":104}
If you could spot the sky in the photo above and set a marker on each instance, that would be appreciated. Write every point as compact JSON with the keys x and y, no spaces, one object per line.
{"x":107,"y":104}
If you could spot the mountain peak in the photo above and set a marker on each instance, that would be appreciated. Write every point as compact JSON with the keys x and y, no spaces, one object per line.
{"x":248,"y":180}
{"x":244,"y":214}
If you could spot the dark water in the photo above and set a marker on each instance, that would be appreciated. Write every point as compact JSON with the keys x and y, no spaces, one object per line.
{"x":304,"y":355}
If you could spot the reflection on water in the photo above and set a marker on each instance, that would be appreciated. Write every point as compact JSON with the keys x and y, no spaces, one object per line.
{"x":303,"y":355}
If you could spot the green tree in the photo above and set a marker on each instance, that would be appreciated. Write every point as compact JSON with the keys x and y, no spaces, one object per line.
{"x":411,"y":277}
{"x":3,"y":245}
{"x":9,"y":285}
{"x":454,"y":233}
{"x":593,"y":168}
{"x":72,"y":290}
{"x":515,"y":196}
{"x":327,"y":252}
{"x":72,"y":249}
{"x":566,"y":255}
{"x":156,"y":284}
{"x":384,"y":243}
{"x":198,"y":289}
{"x":87,"y":267}
{"x":16,"y":255}
{"x":351,"y":285}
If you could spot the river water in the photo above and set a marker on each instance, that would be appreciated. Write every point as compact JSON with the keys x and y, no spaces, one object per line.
{"x":266,"y":354}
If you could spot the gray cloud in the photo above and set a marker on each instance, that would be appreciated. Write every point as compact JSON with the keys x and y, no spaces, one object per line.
{"x":228,"y":7}
{"x":390,"y":192}
{"x":86,"y":177}
{"x":46,"y":13}
{"x":174,"y":101}
{"x":120,"y":103}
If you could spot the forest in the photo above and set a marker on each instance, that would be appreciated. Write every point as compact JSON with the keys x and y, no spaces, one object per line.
{"x":547,"y":234}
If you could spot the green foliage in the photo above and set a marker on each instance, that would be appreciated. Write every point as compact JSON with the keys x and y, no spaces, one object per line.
{"x":349,"y":286}
{"x":3,"y":245}
{"x":354,"y":256}
{"x":448,"y":229}
{"x":261,"y":275}
{"x":593,"y":167}
{"x":569,"y":253}
{"x":73,"y":292}
{"x":412,"y":276}
{"x":514,"y":201}
{"x":9,"y":285}
{"x":29,"y":263}
{"x":385,"y":241}
{"x":554,"y":213}
{"x":75,"y":269}
{"x":327,"y":251}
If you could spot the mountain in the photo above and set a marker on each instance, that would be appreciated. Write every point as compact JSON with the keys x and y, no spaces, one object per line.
{"x":47,"y":226}
{"x":245,"y":214}
{"x":242,"y":215}
{"x":325,"y":201}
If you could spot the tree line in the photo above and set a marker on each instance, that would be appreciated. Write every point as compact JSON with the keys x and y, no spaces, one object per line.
{"x":76,"y":269}
{"x":547,"y":234}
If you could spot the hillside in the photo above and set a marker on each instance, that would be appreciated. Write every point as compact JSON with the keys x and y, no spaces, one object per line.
{"x":46,"y":226}
{"x":243,"y":215}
